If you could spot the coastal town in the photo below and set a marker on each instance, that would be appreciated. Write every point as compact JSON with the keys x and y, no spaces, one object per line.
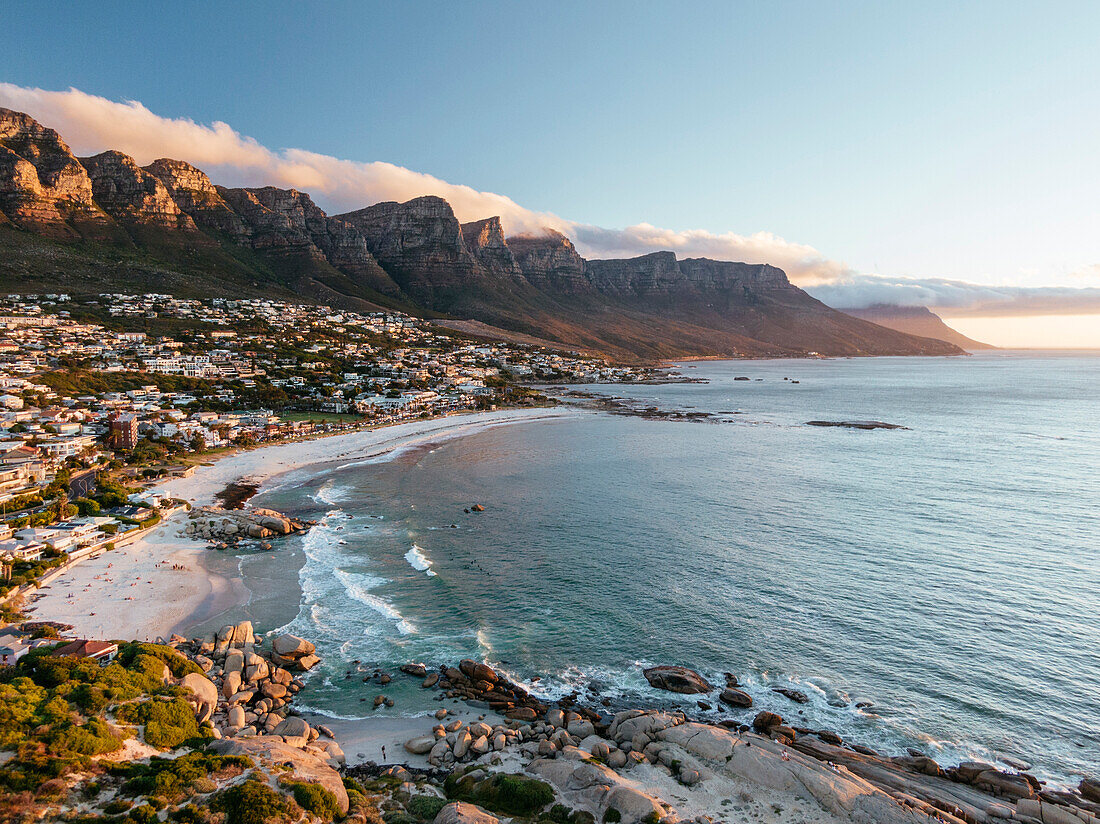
{"x":102,"y":397}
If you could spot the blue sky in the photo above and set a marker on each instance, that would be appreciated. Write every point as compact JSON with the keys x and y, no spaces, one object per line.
{"x":924,"y":140}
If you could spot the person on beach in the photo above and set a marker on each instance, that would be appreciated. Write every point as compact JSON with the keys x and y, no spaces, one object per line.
{"x":383,"y":752}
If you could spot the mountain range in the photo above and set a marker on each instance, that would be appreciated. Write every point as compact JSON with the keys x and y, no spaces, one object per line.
{"x":106,"y":223}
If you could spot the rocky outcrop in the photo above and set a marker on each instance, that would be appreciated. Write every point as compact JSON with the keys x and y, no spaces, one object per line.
{"x":288,"y":222}
{"x":484,"y":239}
{"x":131,"y":195}
{"x":459,"y":812}
{"x":195,"y":194}
{"x":277,"y":755}
{"x":245,"y":690}
{"x":677,"y":679}
{"x":275,"y":219}
{"x":660,"y":274}
{"x":213,"y":524}
{"x":419,"y":242}
{"x":43,"y":187}
{"x":549,"y":260}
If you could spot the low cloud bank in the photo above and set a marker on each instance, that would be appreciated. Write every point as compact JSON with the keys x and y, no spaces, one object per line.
{"x":956,"y":297}
{"x":91,"y":124}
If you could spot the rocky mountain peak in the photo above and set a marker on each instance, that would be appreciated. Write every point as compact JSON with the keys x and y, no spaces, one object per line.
{"x":131,"y":195}
{"x":549,"y":260}
{"x":419,"y":242}
{"x":197,"y":196}
{"x":485,"y":241}
{"x":43,"y":187}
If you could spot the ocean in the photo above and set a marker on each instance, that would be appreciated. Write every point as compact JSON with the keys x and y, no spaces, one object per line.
{"x":934,"y":587}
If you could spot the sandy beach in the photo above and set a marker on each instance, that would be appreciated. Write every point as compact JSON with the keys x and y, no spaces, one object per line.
{"x":159,"y":585}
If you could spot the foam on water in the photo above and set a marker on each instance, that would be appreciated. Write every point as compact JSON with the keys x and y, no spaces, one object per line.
{"x":419,"y":561}
{"x":359,"y":586}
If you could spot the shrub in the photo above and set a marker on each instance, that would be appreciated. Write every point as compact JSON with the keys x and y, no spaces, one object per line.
{"x":611,"y":815}
{"x":179,"y":666}
{"x":425,"y":807}
{"x":315,"y":799}
{"x":168,"y":724}
{"x":251,"y":802}
{"x":189,"y":814}
{"x":176,"y":777}
{"x":144,"y":814}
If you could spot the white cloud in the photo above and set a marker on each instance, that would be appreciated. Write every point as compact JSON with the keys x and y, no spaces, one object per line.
{"x":91,"y":124}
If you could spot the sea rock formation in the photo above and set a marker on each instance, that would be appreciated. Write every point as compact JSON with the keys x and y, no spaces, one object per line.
{"x":214,"y":524}
{"x":677,"y":679}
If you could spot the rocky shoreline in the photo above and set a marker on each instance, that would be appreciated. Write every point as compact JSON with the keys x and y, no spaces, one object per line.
{"x":593,"y":759}
{"x":635,"y":766}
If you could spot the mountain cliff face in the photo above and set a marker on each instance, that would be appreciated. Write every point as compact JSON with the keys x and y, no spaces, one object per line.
{"x":196,"y":195}
{"x":131,"y":195}
{"x":419,"y":243}
{"x":484,"y":239}
{"x":167,"y":227}
{"x":550,"y":261}
{"x":43,"y":187}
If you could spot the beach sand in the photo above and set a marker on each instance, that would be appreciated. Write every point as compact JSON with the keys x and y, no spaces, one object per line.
{"x":134,"y":593}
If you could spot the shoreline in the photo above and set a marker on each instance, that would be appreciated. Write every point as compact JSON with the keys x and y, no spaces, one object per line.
{"x":209,"y":595}
{"x":136,"y":593}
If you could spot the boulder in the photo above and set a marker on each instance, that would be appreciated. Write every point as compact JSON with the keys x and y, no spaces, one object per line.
{"x":797,"y":696}
{"x":291,"y":646}
{"x":765,"y":720}
{"x":476,"y":671}
{"x":203,"y":694}
{"x":1090,"y":789}
{"x":273,"y":690}
{"x":459,"y":812}
{"x":677,"y":679}
{"x":735,"y":697}
{"x":462,"y":743}
{"x":234,"y":662}
{"x":1001,"y":783}
{"x":421,"y":745}
{"x":293,"y":727}
{"x":417,"y":670}
{"x":581,"y":728}
{"x":307,"y":662}
{"x":235,"y":717}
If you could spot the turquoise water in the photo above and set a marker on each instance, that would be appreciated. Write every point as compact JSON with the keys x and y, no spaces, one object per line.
{"x":948,"y":573}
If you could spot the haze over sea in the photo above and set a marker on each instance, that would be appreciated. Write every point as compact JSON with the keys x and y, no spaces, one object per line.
{"x":948,"y":573}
